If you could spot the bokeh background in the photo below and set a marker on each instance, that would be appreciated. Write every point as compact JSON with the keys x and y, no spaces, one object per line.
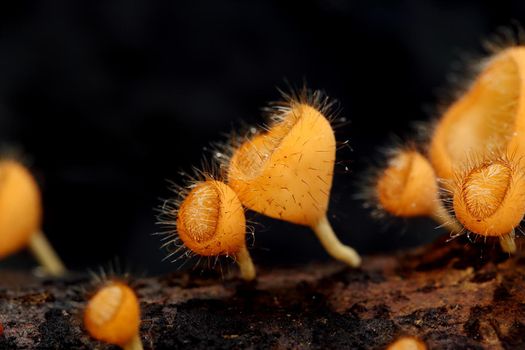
{"x":109,"y":99}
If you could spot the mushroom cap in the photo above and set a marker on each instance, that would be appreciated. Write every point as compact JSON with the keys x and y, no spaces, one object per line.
{"x":20,"y":207}
{"x":489,"y":116}
{"x":113,"y":314}
{"x":286,"y":173}
{"x":489,"y":199}
{"x":408,"y":187}
{"x":211,"y":220}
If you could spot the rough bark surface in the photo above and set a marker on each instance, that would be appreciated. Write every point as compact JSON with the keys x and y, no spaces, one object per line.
{"x":451,"y":295}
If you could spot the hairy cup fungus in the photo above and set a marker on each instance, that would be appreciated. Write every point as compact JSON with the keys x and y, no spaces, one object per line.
{"x":209,"y":222}
{"x":408,"y":187}
{"x":489,"y":116}
{"x":112,"y":315}
{"x":489,"y":198}
{"x":407,"y":343}
{"x":286,"y":172}
{"x":20,"y":217}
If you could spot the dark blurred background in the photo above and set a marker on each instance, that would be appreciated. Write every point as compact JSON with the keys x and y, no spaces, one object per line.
{"x":109,"y":99}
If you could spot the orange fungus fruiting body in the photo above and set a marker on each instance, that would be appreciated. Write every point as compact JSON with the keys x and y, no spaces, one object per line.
{"x":517,"y":142}
{"x":286,"y":172}
{"x":408,"y":186}
{"x":211,"y":220}
{"x":489,"y":199}
{"x":489,"y":116}
{"x":407,"y":343}
{"x":20,"y":207}
{"x":113,"y":314}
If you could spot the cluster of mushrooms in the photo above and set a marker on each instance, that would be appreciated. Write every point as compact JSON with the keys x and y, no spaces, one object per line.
{"x":469,"y":177}
{"x":284,"y":171}
{"x":113,"y":312}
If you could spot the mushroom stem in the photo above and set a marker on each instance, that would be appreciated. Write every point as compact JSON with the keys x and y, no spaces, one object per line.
{"x":134,"y":344}
{"x":244,"y":260}
{"x":443,"y":217}
{"x":508,"y":242}
{"x":46,"y":256}
{"x":333,"y":246}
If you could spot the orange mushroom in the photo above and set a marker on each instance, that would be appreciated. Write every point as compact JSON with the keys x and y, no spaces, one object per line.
{"x":113,"y":316}
{"x":408,"y":187}
{"x":210,"y":222}
{"x":407,"y":343}
{"x":286,"y":172}
{"x":21,"y":215}
{"x":489,"y":116}
{"x":489,"y":198}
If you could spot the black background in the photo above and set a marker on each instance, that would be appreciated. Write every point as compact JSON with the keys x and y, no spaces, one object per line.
{"x":109,"y":99}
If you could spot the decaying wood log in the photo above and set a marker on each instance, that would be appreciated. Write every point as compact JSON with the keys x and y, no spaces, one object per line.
{"x":451,"y":295}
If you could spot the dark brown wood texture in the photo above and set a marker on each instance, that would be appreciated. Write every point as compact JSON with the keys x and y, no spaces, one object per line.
{"x":451,"y":295}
